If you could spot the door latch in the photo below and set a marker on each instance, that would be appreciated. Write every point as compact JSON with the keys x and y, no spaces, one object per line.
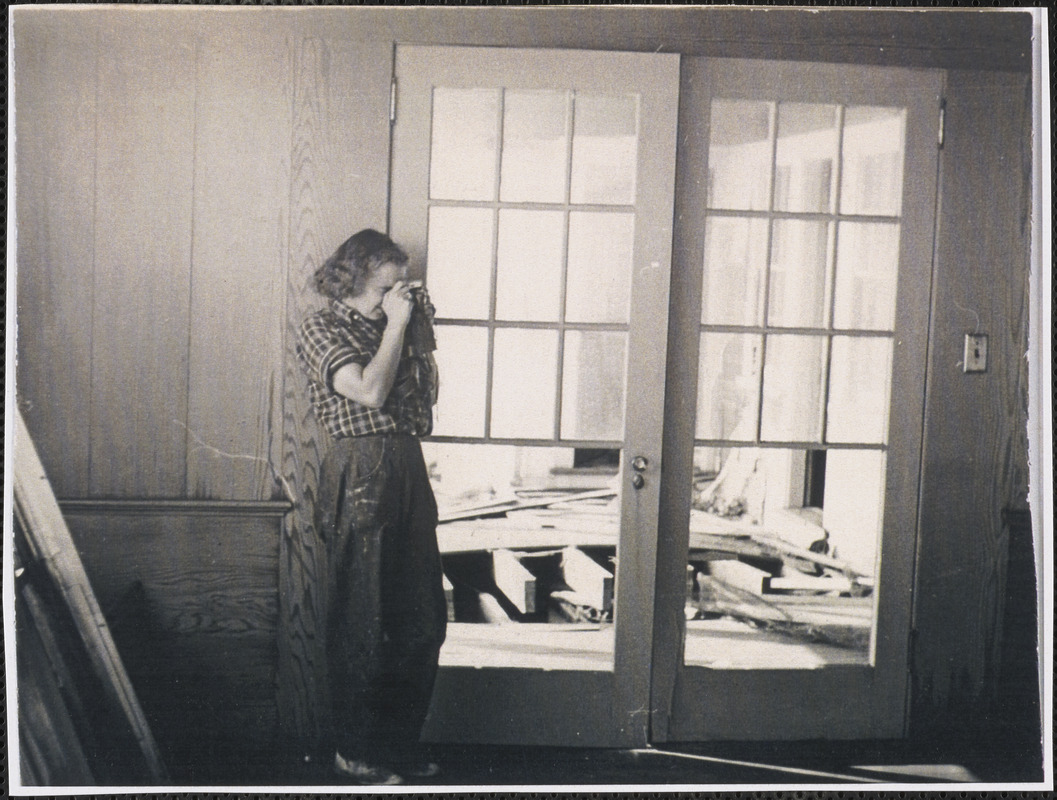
{"x":639,"y":464}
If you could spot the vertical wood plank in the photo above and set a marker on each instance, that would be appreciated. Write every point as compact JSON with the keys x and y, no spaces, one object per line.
{"x":975,"y":460}
{"x":241,"y":188}
{"x":339,"y":168}
{"x":143,"y":254}
{"x":55,"y":78}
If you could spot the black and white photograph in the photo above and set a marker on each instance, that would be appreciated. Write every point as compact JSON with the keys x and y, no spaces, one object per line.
{"x":437,"y":399}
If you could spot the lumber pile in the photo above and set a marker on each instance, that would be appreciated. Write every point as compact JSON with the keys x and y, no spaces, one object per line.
{"x":825,"y":609}
{"x":525,"y":500}
{"x":846,"y":623}
{"x":547,"y":556}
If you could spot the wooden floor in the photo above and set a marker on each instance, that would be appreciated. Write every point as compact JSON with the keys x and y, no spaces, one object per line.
{"x":719,"y":643}
{"x":856,"y":765}
{"x":572,"y":646}
{"x":729,"y":644}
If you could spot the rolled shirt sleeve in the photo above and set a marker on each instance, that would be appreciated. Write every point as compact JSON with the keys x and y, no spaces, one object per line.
{"x":324,"y":350}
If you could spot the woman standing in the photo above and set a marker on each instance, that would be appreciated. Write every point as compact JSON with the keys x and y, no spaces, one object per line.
{"x":372,"y":379}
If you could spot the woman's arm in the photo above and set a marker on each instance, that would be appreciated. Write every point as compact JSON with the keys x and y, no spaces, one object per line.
{"x":371,"y":384}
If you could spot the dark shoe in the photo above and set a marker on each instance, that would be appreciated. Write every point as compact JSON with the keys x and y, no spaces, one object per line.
{"x":365,"y":774}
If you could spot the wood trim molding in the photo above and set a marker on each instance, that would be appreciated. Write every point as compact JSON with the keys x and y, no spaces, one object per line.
{"x":221,"y":508}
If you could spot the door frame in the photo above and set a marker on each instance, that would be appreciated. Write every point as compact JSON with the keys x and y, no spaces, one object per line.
{"x":695,"y":703}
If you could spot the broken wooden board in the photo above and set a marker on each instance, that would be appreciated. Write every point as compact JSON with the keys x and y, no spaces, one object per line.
{"x":488,"y":535}
{"x":743,"y":576}
{"x":571,"y":606}
{"x":492,"y":610}
{"x":588,"y":578}
{"x":566,"y":518}
{"x":792,"y":550}
{"x":807,"y":583}
{"x":511,"y":504}
{"x":842,"y":622}
{"x":514,"y":580}
{"x":449,"y":597}
{"x":851,"y":637}
{"x":706,"y":546}
{"x":497,"y":506}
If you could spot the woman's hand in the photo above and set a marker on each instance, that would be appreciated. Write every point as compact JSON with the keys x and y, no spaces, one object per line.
{"x":397,"y":304}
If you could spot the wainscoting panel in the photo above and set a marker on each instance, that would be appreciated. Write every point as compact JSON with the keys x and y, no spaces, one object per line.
{"x":190,"y":591}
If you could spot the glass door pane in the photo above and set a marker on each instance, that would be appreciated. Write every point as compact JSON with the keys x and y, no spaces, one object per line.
{"x":529,"y":264}
{"x":524,"y":367}
{"x":464,"y":142}
{"x":736,"y":260}
{"x":605,"y":146}
{"x":593,"y":385}
{"x":460,"y":248}
{"x":741,"y":147}
{"x":806,"y":156}
{"x":598,"y":286}
{"x":769,"y":580}
{"x":462,"y":358}
{"x":535,"y":146}
{"x":867,"y":268}
{"x":728,"y":390}
{"x":801,"y":251}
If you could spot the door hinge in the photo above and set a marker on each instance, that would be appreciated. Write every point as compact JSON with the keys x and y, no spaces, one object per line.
{"x":392,"y":102}
{"x":943,"y":121}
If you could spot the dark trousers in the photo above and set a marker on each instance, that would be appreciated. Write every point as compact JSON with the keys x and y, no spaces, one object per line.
{"x":386,"y":613}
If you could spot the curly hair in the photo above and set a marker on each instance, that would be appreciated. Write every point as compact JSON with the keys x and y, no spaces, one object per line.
{"x":344,"y":273}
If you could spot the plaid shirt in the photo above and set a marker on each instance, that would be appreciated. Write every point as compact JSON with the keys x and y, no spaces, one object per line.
{"x":339,"y":335}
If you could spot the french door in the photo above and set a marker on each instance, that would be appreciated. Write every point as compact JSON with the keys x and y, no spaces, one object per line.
{"x":800,"y":304}
{"x":534,"y":190}
{"x":758,"y":586}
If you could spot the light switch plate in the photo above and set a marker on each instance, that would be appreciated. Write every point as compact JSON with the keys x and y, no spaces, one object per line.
{"x":975,"y":357}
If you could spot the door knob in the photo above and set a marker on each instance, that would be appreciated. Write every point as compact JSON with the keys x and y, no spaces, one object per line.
{"x":639,"y":463}
{"x":637,"y":481}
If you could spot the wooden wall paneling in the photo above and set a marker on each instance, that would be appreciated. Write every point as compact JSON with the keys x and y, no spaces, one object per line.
{"x":1017,"y":712}
{"x":55,"y":127}
{"x":944,"y":38}
{"x":203,"y":655}
{"x":975,"y":452}
{"x":992,"y":39}
{"x":241,"y":195}
{"x":339,"y":169}
{"x":143,"y":257}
